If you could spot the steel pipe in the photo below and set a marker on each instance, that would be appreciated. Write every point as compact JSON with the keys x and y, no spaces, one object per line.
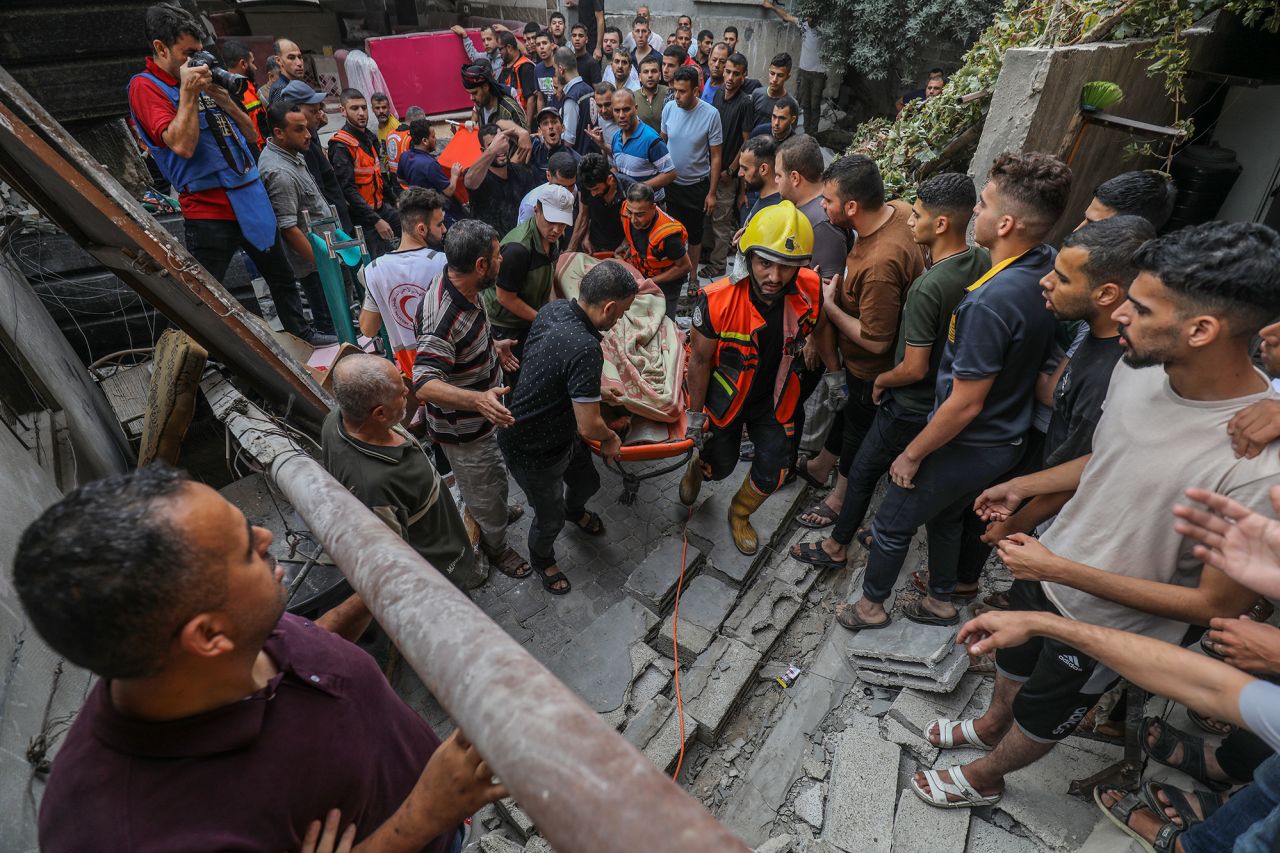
{"x":587,"y":789}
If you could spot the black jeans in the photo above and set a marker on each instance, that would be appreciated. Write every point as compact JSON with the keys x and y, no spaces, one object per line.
{"x":890,"y":433}
{"x":942,"y":495}
{"x":214,"y":242}
{"x":973,"y":551}
{"x":376,"y":245}
{"x":859,"y":412}
{"x":501,"y":333}
{"x":556,"y":490}
{"x":321,"y":318}
{"x":773,"y":443}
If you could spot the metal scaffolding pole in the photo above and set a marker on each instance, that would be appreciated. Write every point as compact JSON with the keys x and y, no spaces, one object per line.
{"x":587,"y":789}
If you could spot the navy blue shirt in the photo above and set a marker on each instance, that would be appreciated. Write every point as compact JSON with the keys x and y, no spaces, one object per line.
{"x":1002,"y":329}
{"x":419,"y":169}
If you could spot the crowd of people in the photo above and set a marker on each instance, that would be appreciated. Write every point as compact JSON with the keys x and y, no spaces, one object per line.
{"x":1055,"y":405}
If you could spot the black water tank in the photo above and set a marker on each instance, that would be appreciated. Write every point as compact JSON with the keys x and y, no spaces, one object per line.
{"x":1204,"y":176}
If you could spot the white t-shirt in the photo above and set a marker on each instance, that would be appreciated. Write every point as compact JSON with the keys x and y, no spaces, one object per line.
{"x":656,"y":42}
{"x":633,"y":81}
{"x":1149,"y":446}
{"x":394,"y":284}
{"x":810,"y":49}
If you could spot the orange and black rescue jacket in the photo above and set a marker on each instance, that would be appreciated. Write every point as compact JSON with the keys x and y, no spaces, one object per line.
{"x":368,"y":169}
{"x":662,"y":227}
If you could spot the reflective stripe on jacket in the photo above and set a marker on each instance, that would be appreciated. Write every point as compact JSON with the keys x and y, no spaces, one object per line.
{"x":663,"y":226}
{"x":368,"y":169}
{"x":736,"y":321}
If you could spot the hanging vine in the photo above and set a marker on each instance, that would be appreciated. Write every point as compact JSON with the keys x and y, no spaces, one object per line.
{"x":942,"y":131}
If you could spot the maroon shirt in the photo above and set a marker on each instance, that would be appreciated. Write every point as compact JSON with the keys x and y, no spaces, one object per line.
{"x":327,"y":731}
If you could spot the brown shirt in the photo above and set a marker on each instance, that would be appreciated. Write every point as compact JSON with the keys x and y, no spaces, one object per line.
{"x":880,"y":269}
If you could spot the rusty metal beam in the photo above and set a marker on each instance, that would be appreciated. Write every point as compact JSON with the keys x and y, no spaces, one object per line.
{"x":587,"y":789}
{"x":40,"y":160}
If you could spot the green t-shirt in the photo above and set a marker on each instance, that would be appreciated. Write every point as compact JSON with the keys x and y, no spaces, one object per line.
{"x":926,"y":316}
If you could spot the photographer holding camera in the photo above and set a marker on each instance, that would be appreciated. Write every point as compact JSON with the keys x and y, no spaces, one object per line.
{"x":196,"y":134}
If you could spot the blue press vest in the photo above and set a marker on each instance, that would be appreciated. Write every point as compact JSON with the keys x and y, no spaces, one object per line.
{"x":207,"y":169}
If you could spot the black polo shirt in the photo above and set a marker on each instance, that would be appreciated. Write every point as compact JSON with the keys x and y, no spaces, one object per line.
{"x":737,"y":116}
{"x":561,"y":366}
{"x":326,"y":732}
{"x":605,"y":228}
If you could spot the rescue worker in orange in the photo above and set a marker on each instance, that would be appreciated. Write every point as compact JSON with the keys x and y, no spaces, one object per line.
{"x":657,"y":244}
{"x":518,"y":77}
{"x":399,"y":141}
{"x":238,"y":59}
{"x":744,"y":357}
{"x":357,"y":164}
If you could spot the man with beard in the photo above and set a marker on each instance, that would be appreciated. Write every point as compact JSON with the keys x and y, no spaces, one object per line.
{"x":357,"y":164}
{"x":394,"y":283}
{"x":742,"y":364}
{"x":1200,"y":296}
{"x":495,"y":182}
{"x":458,"y":378}
{"x":210,"y":699}
{"x":755,"y":170}
{"x":311,"y":103}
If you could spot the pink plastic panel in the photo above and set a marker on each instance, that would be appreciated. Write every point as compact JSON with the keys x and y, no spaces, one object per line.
{"x":422,"y":69}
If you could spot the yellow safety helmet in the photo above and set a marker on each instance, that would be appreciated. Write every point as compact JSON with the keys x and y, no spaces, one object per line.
{"x":780,"y":233}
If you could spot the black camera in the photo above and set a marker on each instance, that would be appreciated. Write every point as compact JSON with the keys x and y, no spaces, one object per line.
{"x":236,"y":84}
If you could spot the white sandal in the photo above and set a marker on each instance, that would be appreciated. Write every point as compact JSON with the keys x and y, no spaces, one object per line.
{"x":946,"y":735}
{"x":959,"y":786}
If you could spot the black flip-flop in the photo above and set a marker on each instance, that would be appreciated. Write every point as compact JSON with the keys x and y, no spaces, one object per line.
{"x":820,"y":509}
{"x":812,"y":553}
{"x":1180,"y":802}
{"x":914,"y":610}
{"x":864,"y":538}
{"x":594,"y":525}
{"x":848,"y":618}
{"x":549,"y":581}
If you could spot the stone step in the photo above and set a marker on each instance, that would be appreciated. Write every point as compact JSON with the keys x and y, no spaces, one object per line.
{"x":716,"y":683}
{"x":862,"y":791}
{"x":597,"y":663}
{"x":709,"y":528}
{"x":515,"y":817}
{"x":920,"y":828}
{"x":941,"y":678}
{"x":655,"y":731}
{"x":653,"y":582}
{"x":703,"y":606}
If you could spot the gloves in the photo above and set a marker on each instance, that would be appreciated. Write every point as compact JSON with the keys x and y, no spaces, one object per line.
{"x":695,"y":428}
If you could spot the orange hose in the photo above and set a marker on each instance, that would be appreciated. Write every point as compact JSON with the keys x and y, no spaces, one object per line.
{"x":675,"y":643}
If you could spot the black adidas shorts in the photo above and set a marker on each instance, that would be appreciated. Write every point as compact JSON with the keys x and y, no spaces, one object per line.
{"x":1059,"y":683}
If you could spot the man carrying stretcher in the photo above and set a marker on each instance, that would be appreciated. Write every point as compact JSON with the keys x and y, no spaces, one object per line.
{"x":744,"y":351}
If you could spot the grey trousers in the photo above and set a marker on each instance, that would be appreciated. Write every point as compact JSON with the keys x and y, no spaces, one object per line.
{"x":809,"y":88}
{"x":481,"y":475}
{"x":723,"y":223}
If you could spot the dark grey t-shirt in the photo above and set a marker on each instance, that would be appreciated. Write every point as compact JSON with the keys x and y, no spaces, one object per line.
{"x":1077,"y":399}
{"x":831,"y":244}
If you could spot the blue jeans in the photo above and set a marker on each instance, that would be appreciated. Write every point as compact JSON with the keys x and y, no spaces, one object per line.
{"x":556,"y":490}
{"x":891,"y":431}
{"x":1249,"y":822}
{"x":944,"y":490}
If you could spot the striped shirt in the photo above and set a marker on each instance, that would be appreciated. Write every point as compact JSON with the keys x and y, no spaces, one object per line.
{"x":454,"y":346}
{"x":642,"y":156}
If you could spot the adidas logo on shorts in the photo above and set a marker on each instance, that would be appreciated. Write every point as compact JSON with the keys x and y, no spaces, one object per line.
{"x":1071,"y":661}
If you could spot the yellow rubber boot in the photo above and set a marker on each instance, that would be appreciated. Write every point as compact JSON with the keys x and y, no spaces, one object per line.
{"x":691,"y":482}
{"x":746,"y":501}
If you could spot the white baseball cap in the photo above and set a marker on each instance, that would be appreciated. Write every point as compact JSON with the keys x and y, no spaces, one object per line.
{"x":557,"y":204}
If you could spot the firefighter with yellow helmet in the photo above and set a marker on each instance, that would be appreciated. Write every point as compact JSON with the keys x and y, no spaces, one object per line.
{"x":744,"y":356}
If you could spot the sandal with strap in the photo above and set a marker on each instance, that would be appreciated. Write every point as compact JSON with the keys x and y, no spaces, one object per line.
{"x":510,"y":563}
{"x":848,"y":618}
{"x":864,"y":538}
{"x":915,"y":611}
{"x":549,"y":581}
{"x":822,"y":511}
{"x":920,"y":580}
{"x":959,"y":786}
{"x":589,"y":523}
{"x":802,"y":471}
{"x":1168,"y":739}
{"x":1122,"y":810}
{"x":947,"y":735}
{"x":812,"y":553}
{"x":1181,"y":802}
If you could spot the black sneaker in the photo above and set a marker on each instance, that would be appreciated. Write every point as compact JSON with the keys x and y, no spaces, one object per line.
{"x":316,"y":339}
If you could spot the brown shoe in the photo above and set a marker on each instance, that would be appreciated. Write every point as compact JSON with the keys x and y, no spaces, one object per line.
{"x":745,"y":502}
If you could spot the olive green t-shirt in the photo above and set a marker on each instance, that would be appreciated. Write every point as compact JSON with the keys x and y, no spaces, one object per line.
{"x":926,"y":316}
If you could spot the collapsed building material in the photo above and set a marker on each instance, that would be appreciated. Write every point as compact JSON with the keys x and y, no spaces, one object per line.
{"x":171,"y":396}
{"x":908,"y":654}
{"x":582,"y":784}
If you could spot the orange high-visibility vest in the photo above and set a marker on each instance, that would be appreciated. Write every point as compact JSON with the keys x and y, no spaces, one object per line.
{"x":397,"y":143}
{"x":253,"y":106}
{"x":663,"y":226}
{"x":511,"y":79}
{"x":736,"y":322}
{"x":368,"y":169}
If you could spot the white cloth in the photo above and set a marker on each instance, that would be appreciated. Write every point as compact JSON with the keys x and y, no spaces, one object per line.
{"x":633,"y":82}
{"x":394,"y":284}
{"x":1150,"y":445}
{"x":363,"y":74}
{"x":811,"y":50}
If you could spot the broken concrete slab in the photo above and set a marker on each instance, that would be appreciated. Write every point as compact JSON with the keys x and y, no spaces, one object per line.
{"x":904,"y":640}
{"x":655,"y":731}
{"x":752,"y":808}
{"x":702,"y":606}
{"x":778,"y":844}
{"x":538,"y":844}
{"x":495,"y":843}
{"x":709,"y":527}
{"x":808,"y":806}
{"x":597,"y":663}
{"x":650,"y":675}
{"x":716,"y":682}
{"x":913,"y":710}
{"x":861,"y":794}
{"x":653,"y":582}
{"x":940,"y":679}
{"x":764,"y":613}
{"x":920,"y":828}
{"x":516,"y":817}
{"x":989,"y":838}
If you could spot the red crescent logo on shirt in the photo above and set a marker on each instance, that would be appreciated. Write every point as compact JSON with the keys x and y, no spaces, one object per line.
{"x":404,"y":302}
